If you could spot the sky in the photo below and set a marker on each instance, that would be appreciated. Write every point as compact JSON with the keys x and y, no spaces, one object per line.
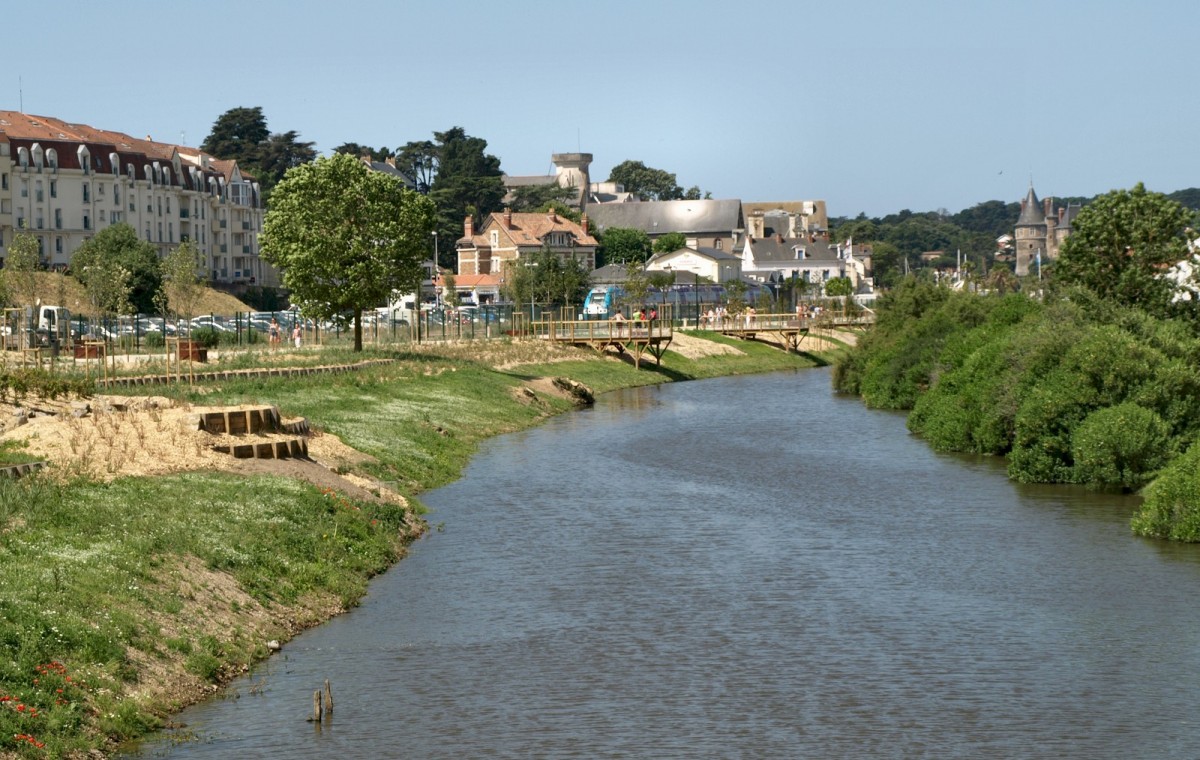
{"x":871,"y":105}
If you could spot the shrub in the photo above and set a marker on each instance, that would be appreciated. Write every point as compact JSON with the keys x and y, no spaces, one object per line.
{"x":1120,"y":445}
{"x":208,"y":337}
{"x":1171,"y":508}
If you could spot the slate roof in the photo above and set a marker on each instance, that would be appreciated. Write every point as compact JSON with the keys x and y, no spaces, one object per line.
{"x":714,"y":254}
{"x":661,"y":217}
{"x":1032,"y":213}
{"x":385,"y":168}
{"x":771,"y":250}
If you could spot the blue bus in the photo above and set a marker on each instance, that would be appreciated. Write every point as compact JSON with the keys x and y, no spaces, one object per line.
{"x":602,"y":302}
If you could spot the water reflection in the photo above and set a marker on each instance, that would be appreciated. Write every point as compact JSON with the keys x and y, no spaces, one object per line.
{"x":745,"y":567}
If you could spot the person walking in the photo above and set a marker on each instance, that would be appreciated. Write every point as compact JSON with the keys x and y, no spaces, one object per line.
{"x":296,"y":333}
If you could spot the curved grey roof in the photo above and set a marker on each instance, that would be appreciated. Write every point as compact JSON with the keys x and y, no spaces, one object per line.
{"x":661,"y":217}
{"x":1031,"y":211}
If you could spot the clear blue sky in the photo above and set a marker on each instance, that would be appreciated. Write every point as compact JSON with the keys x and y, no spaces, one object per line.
{"x":874,"y":106}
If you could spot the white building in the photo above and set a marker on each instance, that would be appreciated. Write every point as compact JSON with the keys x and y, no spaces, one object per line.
{"x":64,"y":182}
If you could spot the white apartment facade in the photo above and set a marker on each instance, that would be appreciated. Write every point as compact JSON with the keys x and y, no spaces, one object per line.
{"x":65,"y":182}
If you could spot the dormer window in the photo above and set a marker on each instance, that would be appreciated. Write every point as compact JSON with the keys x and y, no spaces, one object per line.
{"x":114,"y":162}
{"x":495,"y":239}
{"x":23,"y":157}
{"x":38,"y":154}
{"x":85,"y":159}
{"x":52,"y":159}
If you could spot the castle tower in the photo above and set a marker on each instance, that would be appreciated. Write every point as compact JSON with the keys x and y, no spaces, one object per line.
{"x":1030,"y":233}
{"x":571,"y":170}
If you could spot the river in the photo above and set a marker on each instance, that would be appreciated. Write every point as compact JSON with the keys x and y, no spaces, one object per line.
{"x":746,"y":567}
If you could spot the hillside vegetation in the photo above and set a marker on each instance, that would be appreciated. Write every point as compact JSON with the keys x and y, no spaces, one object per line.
{"x":65,"y":290}
{"x":1073,"y":390}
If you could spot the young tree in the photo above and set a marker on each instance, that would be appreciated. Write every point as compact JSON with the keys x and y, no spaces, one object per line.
{"x":182,"y":284}
{"x":622,"y":245}
{"x":20,"y":269}
{"x":1120,"y":244}
{"x":670,"y":242}
{"x":838,"y":286}
{"x":119,"y":245}
{"x":344,"y":237}
{"x":450,"y":290}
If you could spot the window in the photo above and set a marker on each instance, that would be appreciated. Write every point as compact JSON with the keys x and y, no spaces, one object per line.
{"x":87,"y":193}
{"x":160,"y":237}
{"x":170,"y":232}
{"x":87,"y":222}
{"x":58,"y":218}
{"x":58,"y":247}
{"x":52,"y":159}
{"x":116,"y":195}
{"x":99,"y":189}
{"x":717,"y":244}
{"x":53,"y":188}
{"x":160,"y":206}
{"x":38,"y":192}
{"x":103,"y":215}
{"x":41,"y":224}
{"x":147,"y":231}
{"x":4,"y":181}
{"x":24,"y":188}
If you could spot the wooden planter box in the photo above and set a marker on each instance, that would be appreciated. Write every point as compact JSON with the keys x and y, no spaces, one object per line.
{"x":87,"y":352}
{"x":192,"y":350}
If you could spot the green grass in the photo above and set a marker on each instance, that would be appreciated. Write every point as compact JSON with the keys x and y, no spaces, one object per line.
{"x":91,"y":583}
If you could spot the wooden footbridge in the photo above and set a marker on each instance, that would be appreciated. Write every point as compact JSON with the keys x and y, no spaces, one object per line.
{"x":785,"y":330}
{"x":636,"y":338}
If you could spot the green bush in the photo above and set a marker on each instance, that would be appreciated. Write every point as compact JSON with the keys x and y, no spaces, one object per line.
{"x":208,"y":337}
{"x":1122,"y":445}
{"x":153,"y":339}
{"x":1171,"y":508}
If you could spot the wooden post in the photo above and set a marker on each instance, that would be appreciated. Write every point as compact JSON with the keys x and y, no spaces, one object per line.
{"x":328,"y":698}
{"x":316,"y":713}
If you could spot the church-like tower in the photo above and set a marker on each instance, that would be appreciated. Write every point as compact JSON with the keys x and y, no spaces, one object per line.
{"x":1030,"y":233}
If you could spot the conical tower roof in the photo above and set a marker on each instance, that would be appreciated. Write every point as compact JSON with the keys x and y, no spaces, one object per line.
{"x":1031,"y":211}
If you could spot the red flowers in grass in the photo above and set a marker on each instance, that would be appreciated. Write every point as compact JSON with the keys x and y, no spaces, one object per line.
{"x":29,"y":739}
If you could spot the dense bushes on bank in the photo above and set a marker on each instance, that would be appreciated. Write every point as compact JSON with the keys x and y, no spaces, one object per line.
{"x":1076,"y":390}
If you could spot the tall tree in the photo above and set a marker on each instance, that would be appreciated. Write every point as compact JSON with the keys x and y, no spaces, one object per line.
{"x":281,"y":152}
{"x":358,"y":151}
{"x":419,"y":160}
{"x":649,"y":183}
{"x":119,"y":246}
{"x":1120,"y":244}
{"x":345,"y":238}
{"x":237,"y":134}
{"x":468,"y":182}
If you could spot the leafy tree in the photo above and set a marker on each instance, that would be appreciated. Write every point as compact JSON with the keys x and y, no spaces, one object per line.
{"x":237,"y":134}
{"x":649,"y":183}
{"x":182,"y":284}
{"x":20,"y":268}
{"x":1171,"y":508}
{"x":637,"y":283}
{"x":540,"y":197}
{"x":1122,"y":445}
{"x":545,"y":278}
{"x":991,"y":218}
{"x":358,"y":151}
{"x":1119,"y":245}
{"x":623,"y":245}
{"x":670,"y":242}
{"x":344,"y":237}
{"x":838,"y":286}
{"x":419,"y":160}
{"x":468,"y":182}
{"x":118,"y":246}
{"x":277,"y":154}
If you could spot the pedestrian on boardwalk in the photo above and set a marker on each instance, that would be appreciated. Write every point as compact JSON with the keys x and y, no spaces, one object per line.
{"x":296,"y":333}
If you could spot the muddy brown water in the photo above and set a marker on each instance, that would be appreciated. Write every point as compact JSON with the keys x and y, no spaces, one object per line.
{"x":743,"y":567}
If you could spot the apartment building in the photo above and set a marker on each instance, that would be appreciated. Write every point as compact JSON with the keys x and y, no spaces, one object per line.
{"x":64,"y":182}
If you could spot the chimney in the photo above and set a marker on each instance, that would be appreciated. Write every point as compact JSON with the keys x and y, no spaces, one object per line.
{"x":583,"y":222}
{"x":390,"y":161}
{"x":1061,"y":213}
{"x":1048,"y":207}
{"x":778,"y":238}
{"x":508,"y":219}
{"x":553,"y":216}
{"x":468,"y":227}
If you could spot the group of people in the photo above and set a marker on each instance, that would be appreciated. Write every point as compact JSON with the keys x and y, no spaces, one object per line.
{"x":275,"y":333}
{"x":718,"y":317}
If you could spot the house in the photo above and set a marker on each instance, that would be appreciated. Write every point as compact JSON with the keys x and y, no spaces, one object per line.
{"x":713,"y":265}
{"x":812,"y":259}
{"x":705,"y":223}
{"x":788,"y":218}
{"x":388,"y":167}
{"x":64,"y":182}
{"x":504,"y":238}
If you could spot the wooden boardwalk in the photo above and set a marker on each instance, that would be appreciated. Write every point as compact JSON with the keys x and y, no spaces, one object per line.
{"x":785,"y":330}
{"x":634,"y":337}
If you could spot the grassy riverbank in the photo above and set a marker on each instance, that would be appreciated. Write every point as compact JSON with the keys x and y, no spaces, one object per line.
{"x":128,"y":598}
